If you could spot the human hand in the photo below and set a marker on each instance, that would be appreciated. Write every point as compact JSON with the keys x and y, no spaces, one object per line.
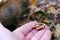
{"x":26,"y":32}
{"x":5,"y":34}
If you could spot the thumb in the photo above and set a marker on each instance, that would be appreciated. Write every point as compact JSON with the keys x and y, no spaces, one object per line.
{"x":5,"y":34}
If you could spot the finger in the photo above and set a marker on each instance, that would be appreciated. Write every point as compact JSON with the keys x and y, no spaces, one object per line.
{"x":47,"y":35}
{"x":38,"y":35}
{"x":42,"y":35}
{"x":31,"y":34}
{"x":5,"y":34}
{"x":25,"y":28}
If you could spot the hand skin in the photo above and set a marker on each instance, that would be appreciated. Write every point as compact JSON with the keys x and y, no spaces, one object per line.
{"x":25,"y":32}
{"x":5,"y":34}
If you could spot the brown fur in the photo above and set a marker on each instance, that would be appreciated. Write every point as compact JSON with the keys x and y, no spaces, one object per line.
{"x":19,"y":4}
